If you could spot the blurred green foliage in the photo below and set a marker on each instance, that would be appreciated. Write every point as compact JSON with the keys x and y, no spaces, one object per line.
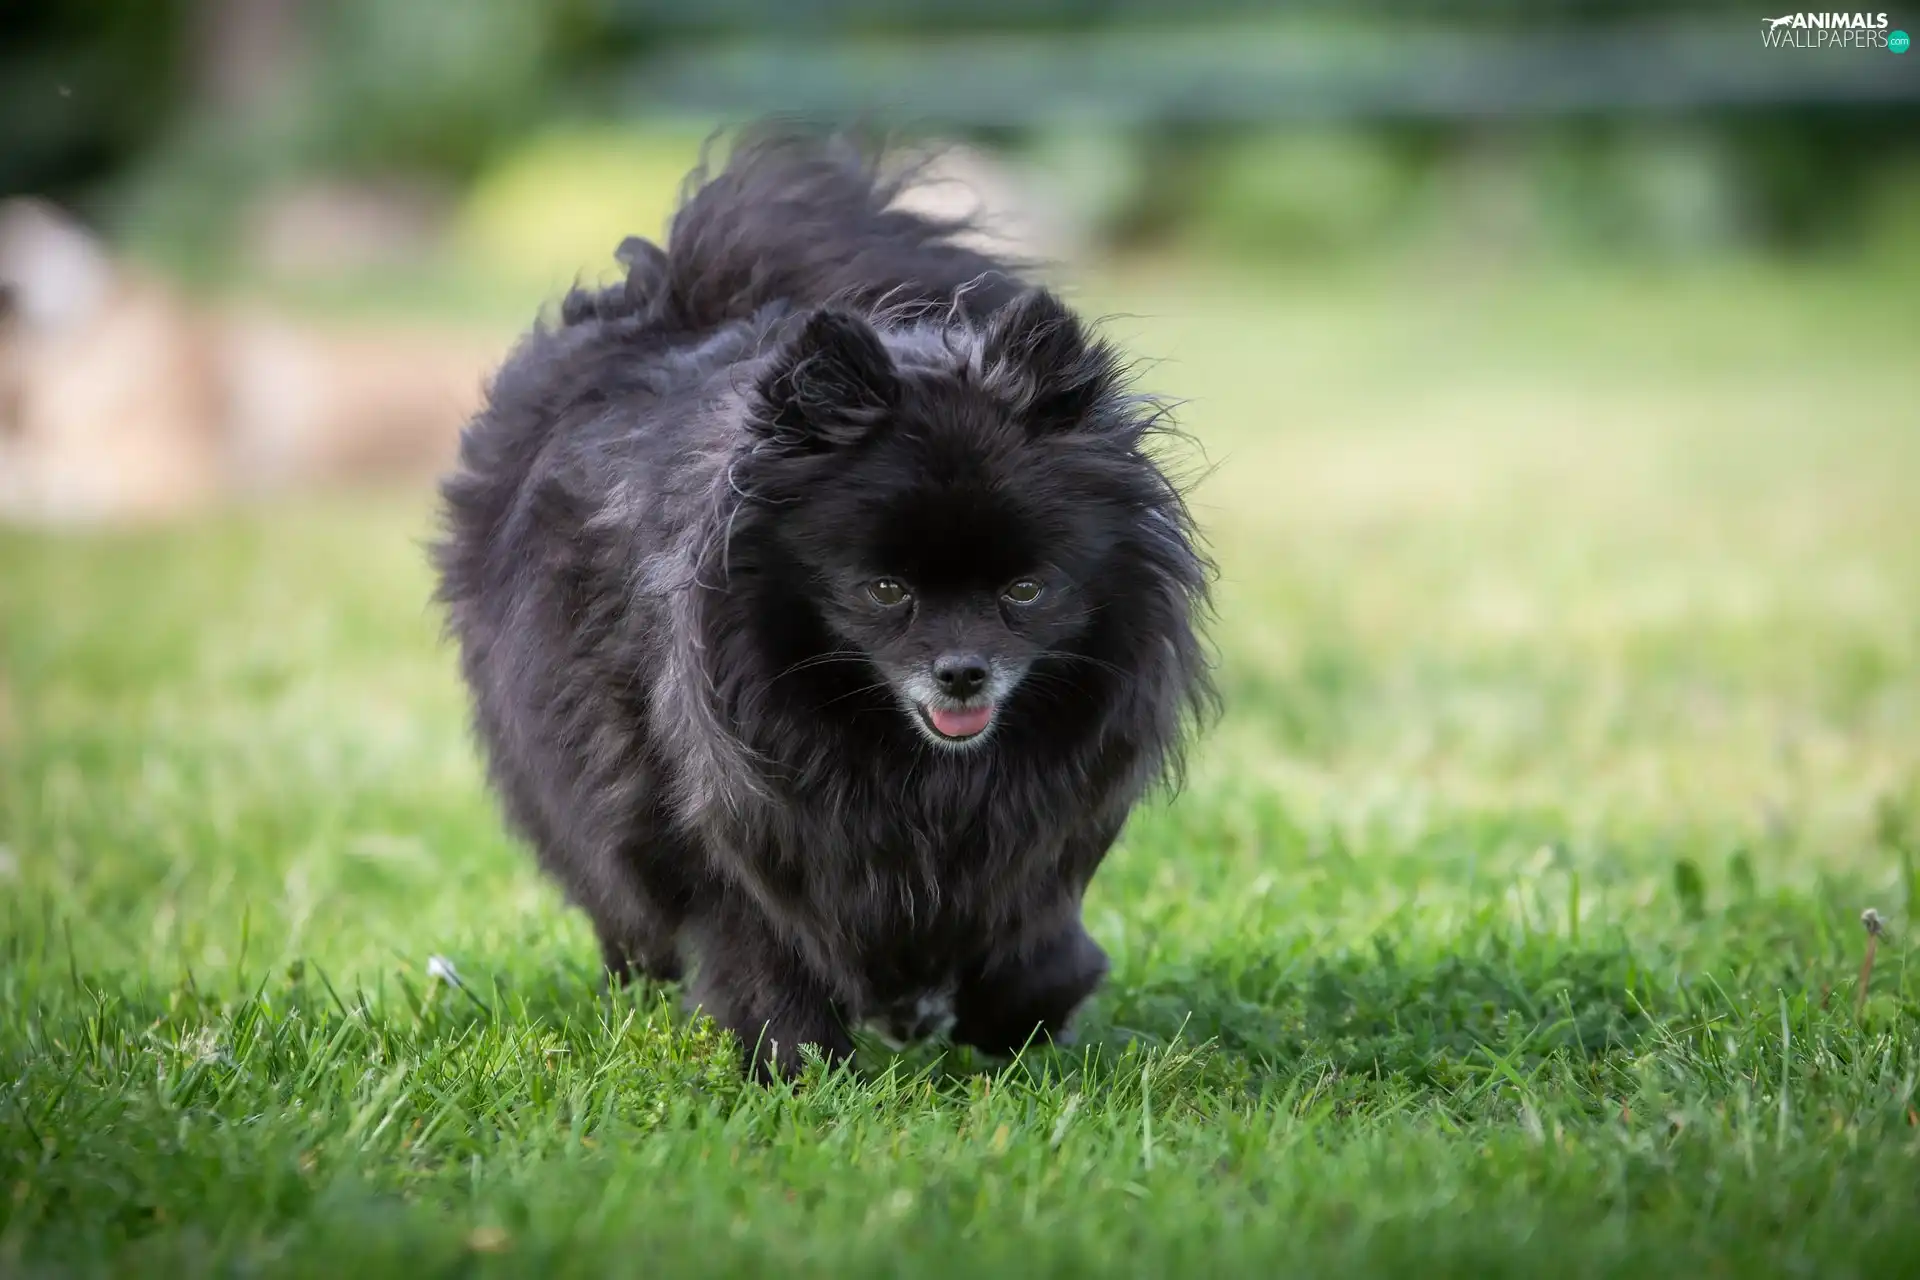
{"x":84,"y":85}
{"x":567,"y":196}
{"x":399,"y":84}
{"x":116,"y":105}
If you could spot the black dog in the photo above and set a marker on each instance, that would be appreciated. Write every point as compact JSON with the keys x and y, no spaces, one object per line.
{"x":824,"y":614}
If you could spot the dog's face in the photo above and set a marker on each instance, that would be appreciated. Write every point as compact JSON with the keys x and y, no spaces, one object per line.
{"x":952,"y":623}
{"x":942,"y":501}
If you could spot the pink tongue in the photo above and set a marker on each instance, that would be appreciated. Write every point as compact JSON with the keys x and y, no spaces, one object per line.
{"x":960,"y":724}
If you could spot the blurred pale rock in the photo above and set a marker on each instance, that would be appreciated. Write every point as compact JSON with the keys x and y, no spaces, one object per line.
{"x":965,"y":182}
{"x":121,"y":400}
{"x":108,"y":406}
{"x":321,"y":228}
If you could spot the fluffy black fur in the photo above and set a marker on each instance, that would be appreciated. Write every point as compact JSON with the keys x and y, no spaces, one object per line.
{"x":672,"y":551}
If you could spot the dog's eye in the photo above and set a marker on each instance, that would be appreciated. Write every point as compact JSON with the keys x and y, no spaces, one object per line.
{"x":1025,"y":591}
{"x":888,"y":593}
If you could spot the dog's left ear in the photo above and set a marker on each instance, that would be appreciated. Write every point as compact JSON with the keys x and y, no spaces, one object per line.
{"x":1037,"y":355}
{"x":830,"y":385}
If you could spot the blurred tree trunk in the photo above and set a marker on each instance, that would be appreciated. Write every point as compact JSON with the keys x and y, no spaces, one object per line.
{"x":243,"y":50}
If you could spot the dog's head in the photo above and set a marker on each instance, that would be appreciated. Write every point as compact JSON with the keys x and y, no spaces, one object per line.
{"x":960,"y":501}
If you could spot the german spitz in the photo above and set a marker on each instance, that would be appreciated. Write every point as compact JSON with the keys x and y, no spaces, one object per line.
{"x":825,"y":612}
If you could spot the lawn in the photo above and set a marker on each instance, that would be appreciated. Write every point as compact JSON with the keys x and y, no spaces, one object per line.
{"x":1509,"y":923}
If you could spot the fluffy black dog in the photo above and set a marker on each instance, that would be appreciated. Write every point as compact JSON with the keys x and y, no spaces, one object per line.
{"x":824,"y":614}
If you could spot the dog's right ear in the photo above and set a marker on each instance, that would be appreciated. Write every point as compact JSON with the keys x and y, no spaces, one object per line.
{"x":830,"y":385}
{"x":1038,"y":356}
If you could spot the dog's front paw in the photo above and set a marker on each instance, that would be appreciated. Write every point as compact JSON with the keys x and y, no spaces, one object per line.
{"x":782,"y":1013}
{"x":1004,"y":1008}
{"x":921,"y":1017}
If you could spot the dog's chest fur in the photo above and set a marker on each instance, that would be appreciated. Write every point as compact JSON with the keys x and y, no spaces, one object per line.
{"x":899,"y":886}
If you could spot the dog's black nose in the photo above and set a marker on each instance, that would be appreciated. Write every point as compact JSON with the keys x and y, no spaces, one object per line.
{"x":961,"y":675}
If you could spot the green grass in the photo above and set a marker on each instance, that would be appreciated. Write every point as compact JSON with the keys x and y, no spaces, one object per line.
{"x":1570,"y":635}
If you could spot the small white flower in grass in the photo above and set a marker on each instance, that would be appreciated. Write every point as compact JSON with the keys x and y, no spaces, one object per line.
{"x":202,"y":1047}
{"x":442,"y":968}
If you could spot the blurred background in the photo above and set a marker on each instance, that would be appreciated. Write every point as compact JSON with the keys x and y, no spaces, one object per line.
{"x":1548,"y":366}
{"x":1549,"y":370}
{"x":276,"y":242}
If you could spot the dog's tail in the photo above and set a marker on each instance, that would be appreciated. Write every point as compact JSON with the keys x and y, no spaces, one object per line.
{"x":801,"y":218}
